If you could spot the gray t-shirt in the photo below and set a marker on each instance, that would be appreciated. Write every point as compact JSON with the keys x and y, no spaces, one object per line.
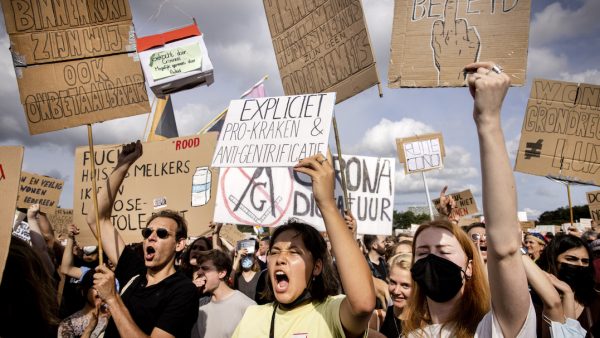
{"x":219,"y":319}
{"x":248,"y":288}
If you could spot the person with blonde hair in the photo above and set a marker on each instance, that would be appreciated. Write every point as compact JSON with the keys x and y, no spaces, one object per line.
{"x":451,"y":296}
{"x":400,"y":286}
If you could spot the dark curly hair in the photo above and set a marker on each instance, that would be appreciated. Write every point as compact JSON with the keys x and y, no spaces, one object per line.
{"x":181,"y":232}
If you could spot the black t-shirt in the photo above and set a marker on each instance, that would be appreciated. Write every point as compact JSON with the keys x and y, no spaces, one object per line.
{"x":171,"y":305}
{"x":392,"y":326}
{"x":378,"y":270}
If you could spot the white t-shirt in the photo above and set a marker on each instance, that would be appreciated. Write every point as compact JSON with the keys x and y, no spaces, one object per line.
{"x":488,"y":328}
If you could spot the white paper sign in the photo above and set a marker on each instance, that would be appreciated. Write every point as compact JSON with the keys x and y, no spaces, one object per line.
{"x":274,"y":131}
{"x":423,"y":155}
{"x":271,"y":196}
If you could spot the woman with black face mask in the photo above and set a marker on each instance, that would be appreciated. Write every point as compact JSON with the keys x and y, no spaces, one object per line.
{"x":451,"y":297}
{"x":569,"y":259}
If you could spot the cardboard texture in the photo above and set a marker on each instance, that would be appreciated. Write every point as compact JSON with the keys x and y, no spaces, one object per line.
{"x":271,"y":196}
{"x":593,"y":199}
{"x":73,"y":93}
{"x":172,"y":174}
{"x":60,"y":222}
{"x":421,"y":153}
{"x":11,"y":159}
{"x":175,"y":60}
{"x":274,"y":131}
{"x":527,"y":224}
{"x":560,"y":137}
{"x":48,"y":31}
{"x":465,"y":203}
{"x":231,"y":233}
{"x":322,"y":46}
{"x":38,"y":189}
{"x":433,"y":41}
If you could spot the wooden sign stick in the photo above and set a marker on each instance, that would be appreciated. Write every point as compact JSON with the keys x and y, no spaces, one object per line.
{"x":95,"y":194}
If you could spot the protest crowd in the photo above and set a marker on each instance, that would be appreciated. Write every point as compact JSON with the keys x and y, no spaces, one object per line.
{"x":262,"y":273}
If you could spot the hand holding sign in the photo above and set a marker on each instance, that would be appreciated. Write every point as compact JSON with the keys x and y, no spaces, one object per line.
{"x":322,"y":175}
{"x":454,"y":43}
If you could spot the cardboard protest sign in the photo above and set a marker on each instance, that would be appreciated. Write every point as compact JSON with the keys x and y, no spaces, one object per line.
{"x":465,"y":203}
{"x":321,"y":46}
{"x":73,"y":93}
{"x":433,"y":41}
{"x":274,"y":131}
{"x":61,"y":220}
{"x":49,"y":31}
{"x":593,"y":199}
{"x":11,"y":159}
{"x":271,"y":196}
{"x":172,"y":174}
{"x":175,"y":60}
{"x":561,"y":134}
{"x":421,"y":153}
{"x":42,"y":190}
{"x":231,"y":233}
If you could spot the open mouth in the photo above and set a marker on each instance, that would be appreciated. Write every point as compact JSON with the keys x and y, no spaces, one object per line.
{"x":282,"y":281}
{"x":150,"y":251}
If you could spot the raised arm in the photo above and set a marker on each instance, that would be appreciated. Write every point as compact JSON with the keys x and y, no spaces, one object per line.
{"x":508,"y":283}
{"x":356,"y":309}
{"x":112,"y":242}
{"x":67,"y":266}
{"x":542,"y":285}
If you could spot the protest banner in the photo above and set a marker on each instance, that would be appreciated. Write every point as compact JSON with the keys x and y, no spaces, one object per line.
{"x":271,"y":196}
{"x":527,"y":224}
{"x":49,"y":31}
{"x":593,"y":200}
{"x":172,"y":174}
{"x":38,"y":189}
{"x":560,"y":137}
{"x":60,"y":222}
{"x":73,"y":93}
{"x":11,"y":159}
{"x":421,"y":153}
{"x":465,"y":203}
{"x":274,"y":131}
{"x":231,"y":233}
{"x":433,"y":41}
{"x":322,"y":46}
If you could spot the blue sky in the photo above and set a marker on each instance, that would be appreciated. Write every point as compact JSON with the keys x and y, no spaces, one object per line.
{"x":564,"y":44}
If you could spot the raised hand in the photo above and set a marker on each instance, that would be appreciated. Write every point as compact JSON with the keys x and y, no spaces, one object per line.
{"x":488,"y":89}
{"x":454,"y":44}
{"x":130,"y":153}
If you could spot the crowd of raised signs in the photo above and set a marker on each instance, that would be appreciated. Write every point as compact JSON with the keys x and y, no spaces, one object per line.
{"x":485,"y":280}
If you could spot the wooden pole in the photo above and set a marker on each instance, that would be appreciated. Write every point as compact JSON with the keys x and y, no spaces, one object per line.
{"x":211,"y":122}
{"x":342,"y":164}
{"x":95,"y":194}
{"x":570,"y":204}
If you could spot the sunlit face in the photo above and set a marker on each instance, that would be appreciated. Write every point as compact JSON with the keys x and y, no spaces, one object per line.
{"x":290,"y":266}
{"x":403,"y":249}
{"x":388,"y":242}
{"x":534,"y":247}
{"x":478,"y":233}
{"x":263,"y":246}
{"x":208,"y":271}
{"x":442,"y":243}
{"x":379,"y":245}
{"x":159,"y":252}
{"x":575,"y":256}
{"x":400,"y":286}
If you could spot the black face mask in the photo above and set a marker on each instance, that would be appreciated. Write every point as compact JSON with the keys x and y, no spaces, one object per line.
{"x":580,"y":279}
{"x":439,"y":278}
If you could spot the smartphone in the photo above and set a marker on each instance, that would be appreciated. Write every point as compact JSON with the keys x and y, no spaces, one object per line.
{"x":247,"y":244}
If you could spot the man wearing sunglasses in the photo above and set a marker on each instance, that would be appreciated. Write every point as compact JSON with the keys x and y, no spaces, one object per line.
{"x":156,"y":300}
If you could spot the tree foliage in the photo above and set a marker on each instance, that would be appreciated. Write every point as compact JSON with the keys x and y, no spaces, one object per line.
{"x":561,"y":215}
{"x":403,"y":220}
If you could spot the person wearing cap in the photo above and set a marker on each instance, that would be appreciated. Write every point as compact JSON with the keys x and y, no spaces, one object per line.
{"x":534,"y":243}
{"x":156,"y":300}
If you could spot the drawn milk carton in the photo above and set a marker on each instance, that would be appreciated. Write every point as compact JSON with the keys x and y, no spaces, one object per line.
{"x":201,"y":183}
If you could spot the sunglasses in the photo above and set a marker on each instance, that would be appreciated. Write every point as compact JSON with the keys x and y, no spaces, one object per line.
{"x":477,"y":237}
{"x":162,"y":233}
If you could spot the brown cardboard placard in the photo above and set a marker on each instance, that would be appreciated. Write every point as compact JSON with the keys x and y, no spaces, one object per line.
{"x":465,"y":203}
{"x":593,"y":199}
{"x":11,"y":159}
{"x":60,"y":221}
{"x":231,"y":233}
{"x":560,"y":137}
{"x":322,"y":46}
{"x":171,"y":174}
{"x":38,"y":189}
{"x":527,"y":224}
{"x":433,"y":41}
{"x":421,"y":153}
{"x":72,"y":93}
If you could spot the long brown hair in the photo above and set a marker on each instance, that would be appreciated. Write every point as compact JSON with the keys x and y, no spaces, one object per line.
{"x":472,"y":306}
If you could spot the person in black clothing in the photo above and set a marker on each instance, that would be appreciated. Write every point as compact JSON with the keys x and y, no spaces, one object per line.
{"x":155,"y":299}
{"x":375,"y":256}
{"x":400,"y":286}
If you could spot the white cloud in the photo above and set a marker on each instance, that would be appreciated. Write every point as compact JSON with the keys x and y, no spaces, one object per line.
{"x":543,"y":62}
{"x":192,"y":117}
{"x":512,"y":147}
{"x":591,"y":76}
{"x":532,"y":213}
{"x":556,"y":23}
{"x":380,"y":139}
